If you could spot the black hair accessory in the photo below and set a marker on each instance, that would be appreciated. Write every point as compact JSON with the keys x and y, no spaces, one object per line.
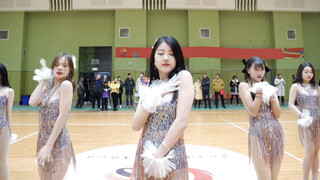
{"x":245,"y":66}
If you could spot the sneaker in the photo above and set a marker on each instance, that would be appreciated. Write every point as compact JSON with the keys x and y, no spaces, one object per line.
{"x":92,"y":110}
{"x":238,"y":104}
{"x":230,"y":104}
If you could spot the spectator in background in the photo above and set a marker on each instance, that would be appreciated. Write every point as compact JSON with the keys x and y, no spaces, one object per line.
{"x":129,"y":86}
{"x":106,"y":92}
{"x":140,"y":81}
{"x":205,"y":83}
{"x":198,"y":93}
{"x":114,"y":86}
{"x":234,"y":84}
{"x":87,"y":85}
{"x":218,"y":86}
{"x":80,"y":90}
{"x":120,"y":91}
{"x":96,"y":92}
{"x":279,"y":83}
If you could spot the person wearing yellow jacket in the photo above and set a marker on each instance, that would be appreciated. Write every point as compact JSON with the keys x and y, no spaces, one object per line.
{"x":114,"y":86}
{"x":218,"y":86}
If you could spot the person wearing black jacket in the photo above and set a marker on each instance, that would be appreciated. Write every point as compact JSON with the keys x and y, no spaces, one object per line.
{"x":96,"y":91}
{"x":120,"y":91}
{"x":129,"y":86}
{"x":234,"y":84}
{"x":205,"y":82}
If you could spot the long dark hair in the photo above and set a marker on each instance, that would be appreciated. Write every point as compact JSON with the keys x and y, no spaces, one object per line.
{"x":152,"y":71}
{"x":257,"y":63}
{"x":298,"y":79}
{"x":4,"y":76}
{"x":177,"y":52}
{"x":68,"y":58}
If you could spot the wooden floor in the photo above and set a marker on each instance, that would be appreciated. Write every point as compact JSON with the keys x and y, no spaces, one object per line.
{"x":91,"y":130}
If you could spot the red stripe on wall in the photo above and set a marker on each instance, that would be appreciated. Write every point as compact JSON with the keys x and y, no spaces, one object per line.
{"x":211,"y":52}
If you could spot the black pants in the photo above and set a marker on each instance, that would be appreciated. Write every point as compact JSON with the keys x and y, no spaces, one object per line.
{"x":195,"y":103}
{"x":282,"y":99}
{"x":105,"y":103}
{"x":120,"y":98}
{"x":127,"y":99}
{"x":96,"y":97}
{"x":237,"y":97}
{"x":217,"y":99}
{"x":115,"y":100}
{"x":80,"y":100}
{"x":206,"y":97}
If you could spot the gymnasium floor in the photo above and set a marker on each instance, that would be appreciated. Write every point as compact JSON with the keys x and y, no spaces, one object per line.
{"x":104,"y":143}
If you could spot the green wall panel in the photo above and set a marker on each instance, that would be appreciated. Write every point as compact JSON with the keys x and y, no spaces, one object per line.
{"x":282,"y":21}
{"x":162,"y":23}
{"x":203,"y":19}
{"x":11,"y":50}
{"x":311,"y":36}
{"x":50,"y":33}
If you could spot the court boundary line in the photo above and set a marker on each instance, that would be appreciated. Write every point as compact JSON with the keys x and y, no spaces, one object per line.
{"x":286,"y":152}
{"x":24,"y":137}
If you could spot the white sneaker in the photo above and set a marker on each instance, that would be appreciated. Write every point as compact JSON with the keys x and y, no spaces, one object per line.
{"x":230,"y":104}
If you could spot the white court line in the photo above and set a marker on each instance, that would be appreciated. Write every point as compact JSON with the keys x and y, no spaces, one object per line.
{"x":24,"y":137}
{"x":286,"y":152}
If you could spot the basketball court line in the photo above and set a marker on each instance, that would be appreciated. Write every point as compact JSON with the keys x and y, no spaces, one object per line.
{"x":286,"y":152}
{"x":24,"y":137}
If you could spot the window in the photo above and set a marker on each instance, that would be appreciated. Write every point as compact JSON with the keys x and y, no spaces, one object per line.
{"x":124,"y":32}
{"x":4,"y":34}
{"x":204,"y":33}
{"x":291,"y":34}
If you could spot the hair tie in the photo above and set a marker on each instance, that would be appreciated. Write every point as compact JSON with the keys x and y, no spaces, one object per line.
{"x":245,"y":66}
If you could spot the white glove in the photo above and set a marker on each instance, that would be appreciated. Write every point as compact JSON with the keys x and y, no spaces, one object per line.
{"x":158,"y":168}
{"x":306,"y":120}
{"x":267,"y":90}
{"x":151,"y":97}
{"x":43,"y":74}
{"x":106,"y":89}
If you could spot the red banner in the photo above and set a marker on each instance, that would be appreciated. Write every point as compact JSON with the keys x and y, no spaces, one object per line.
{"x":216,"y":52}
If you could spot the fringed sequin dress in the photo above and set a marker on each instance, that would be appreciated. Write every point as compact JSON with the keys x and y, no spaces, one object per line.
{"x":268,"y":135}
{"x":62,"y":151}
{"x":308,"y":98}
{"x":4,"y":124}
{"x":155,"y":130}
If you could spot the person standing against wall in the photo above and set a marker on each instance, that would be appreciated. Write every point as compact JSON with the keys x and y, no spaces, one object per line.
{"x":115,"y":86}
{"x":205,"y":83}
{"x":120,"y":92}
{"x":96,"y":91}
{"x":81,"y":91}
{"x":198,"y":93}
{"x":218,"y":86}
{"x":280,"y":84}
{"x":129,"y":86}
{"x":234,"y":84}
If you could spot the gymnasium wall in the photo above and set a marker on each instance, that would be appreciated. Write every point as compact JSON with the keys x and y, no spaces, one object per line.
{"x":45,"y":34}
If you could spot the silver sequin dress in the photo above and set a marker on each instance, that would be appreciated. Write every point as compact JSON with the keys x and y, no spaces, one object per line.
{"x":308,"y":98}
{"x":4,"y":124}
{"x":266,"y":130}
{"x":62,"y":150}
{"x":155,"y":130}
